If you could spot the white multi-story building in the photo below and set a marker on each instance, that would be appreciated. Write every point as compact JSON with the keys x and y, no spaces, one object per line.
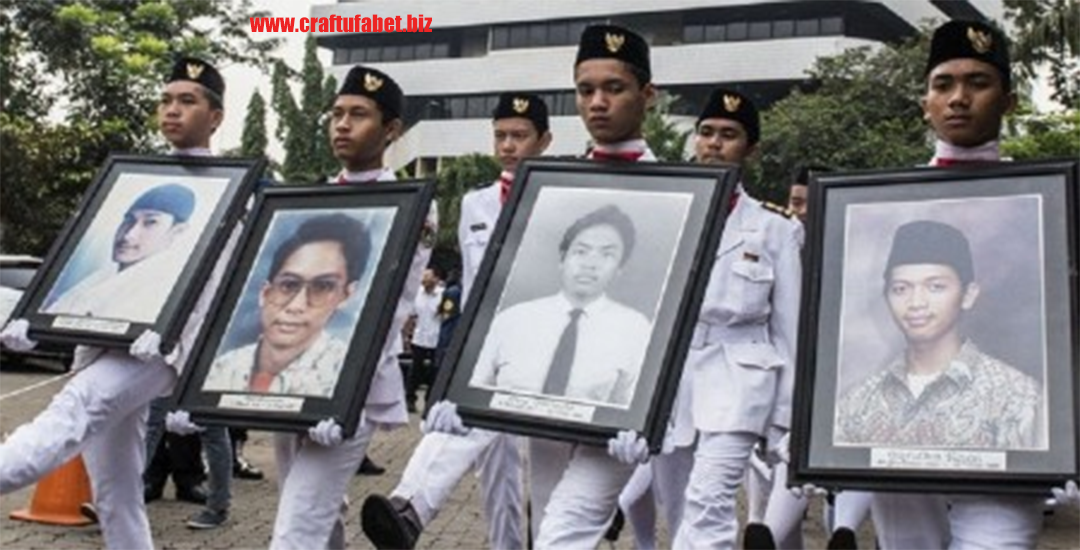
{"x":480,"y":48}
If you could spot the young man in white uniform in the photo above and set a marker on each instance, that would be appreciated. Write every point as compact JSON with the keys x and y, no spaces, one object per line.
{"x":441,"y":460}
{"x":314,"y":470}
{"x":101,"y":412}
{"x":742,"y":357}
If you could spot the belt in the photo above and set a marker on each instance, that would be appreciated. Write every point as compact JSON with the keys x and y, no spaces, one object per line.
{"x":709,"y":334}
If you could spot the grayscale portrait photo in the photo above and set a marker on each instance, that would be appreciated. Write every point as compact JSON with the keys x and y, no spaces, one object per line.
{"x":942,"y":340}
{"x":126,"y":264}
{"x":291,"y":329}
{"x":576,"y":315}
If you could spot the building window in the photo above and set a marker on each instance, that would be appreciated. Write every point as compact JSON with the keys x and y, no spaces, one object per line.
{"x":832,"y":26}
{"x":538,"y":35}
{"x":519,"y":36}
{"x":807,"y":27}
{"x":406,"y":52}
{"x":558,"y":33}
{"x":715,"y":33}
{"x":422,"y":51}
{"x":389,"y":53}
{"x":500,"y":38}
{"x":737,"y":31}
{"x":440,"y":50}
{"x":783,"y":29}
{"x":760,"y":30}
{"x":341,"y":57}
{"x":693,"y":34}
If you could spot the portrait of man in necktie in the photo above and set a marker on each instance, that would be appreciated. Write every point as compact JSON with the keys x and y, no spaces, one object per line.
{"x":578,"y":343}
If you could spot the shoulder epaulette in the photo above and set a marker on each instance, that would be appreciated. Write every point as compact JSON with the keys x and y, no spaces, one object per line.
{"x":778,"y":209}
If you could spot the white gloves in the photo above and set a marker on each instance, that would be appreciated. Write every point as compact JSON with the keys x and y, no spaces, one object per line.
{"x":326,"y":433}
{"x":14,"y":337}
{"x":807,"y":490}
{"x":179,"y":422}
{"x":779,"y":448}
{"x":443,"y":418}
{"x":628,"y":447}
{"x":1068,"y":495}
{"x":147,"y":348}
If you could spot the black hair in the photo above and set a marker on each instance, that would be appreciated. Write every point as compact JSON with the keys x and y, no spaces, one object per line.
{"x":802,"y":175}
{"x":607,"y":215}
{"x":350,"y":233}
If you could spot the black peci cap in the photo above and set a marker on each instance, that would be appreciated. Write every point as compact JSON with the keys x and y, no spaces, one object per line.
{"x":729,"y":104}
{"x":970,"y":40}
{"x":376,"y":85}
{"x":614,"y":42}
{"x":198,"y":70}
{"x":930,"y":242}
{"x":523,"y":105}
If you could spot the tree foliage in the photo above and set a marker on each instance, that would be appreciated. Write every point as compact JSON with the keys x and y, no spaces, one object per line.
{"x":663,"y":135}
{"x":456,"y":177}
{"x":102,"y":62}
{"x":1048,"y":33}
{"x":861,"y":111}
{"x":1041,"y":136}
{"x":303,"y":125}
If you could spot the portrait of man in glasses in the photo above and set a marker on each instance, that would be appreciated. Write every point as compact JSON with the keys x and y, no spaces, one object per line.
{"x":313,"y":273}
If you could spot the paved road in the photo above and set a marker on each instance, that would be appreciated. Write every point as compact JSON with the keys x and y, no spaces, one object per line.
{"x":25,"y":391}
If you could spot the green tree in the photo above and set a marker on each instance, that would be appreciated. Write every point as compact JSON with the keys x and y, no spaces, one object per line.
{"x":1048,"y":33}
{"x":861,"y":112}
{"x":303,"y":126}
{"x":324,"y":154}
{"x":1033,"y":136}
{"x":663,"y":135}
{"x":253,"y":139}
{"x":456,"y":177}
{"x":106,"y":59}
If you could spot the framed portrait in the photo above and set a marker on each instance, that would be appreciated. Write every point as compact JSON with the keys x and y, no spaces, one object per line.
{"x":137,"y":252}
{"x":939,"y":330}
{"x":298,"y":326}
{"x":583,"y":309}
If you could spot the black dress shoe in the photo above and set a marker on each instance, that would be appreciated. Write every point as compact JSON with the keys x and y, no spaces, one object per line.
{"x":758,"y":537}
{"x":152,"y":493}
{"x":195,"y":494}
{"x":390,"y":523}
{"x":843,"y":539}
{"x":369,"y":468}
{"x":616,"y":527}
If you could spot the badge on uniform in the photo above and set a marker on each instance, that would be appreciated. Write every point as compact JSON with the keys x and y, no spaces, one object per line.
{"x":478,"y":227}
{"x":750,"y":256}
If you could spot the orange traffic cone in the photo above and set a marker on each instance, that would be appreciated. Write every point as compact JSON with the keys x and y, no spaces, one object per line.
{"x":58,"y":496}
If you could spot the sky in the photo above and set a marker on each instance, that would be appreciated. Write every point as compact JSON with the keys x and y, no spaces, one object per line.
{"x":241,"y":80}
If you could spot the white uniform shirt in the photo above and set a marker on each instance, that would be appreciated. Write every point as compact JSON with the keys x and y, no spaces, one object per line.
{"x":385,"y":402}
{"x":608,"y":354}
{"x":480,"y":210}
{"x":314,"y":372}
{"x":428,"y":320}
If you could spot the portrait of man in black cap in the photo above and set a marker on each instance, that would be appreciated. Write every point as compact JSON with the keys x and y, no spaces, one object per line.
{"x":148,"y":242}
{"x":941,"y":390}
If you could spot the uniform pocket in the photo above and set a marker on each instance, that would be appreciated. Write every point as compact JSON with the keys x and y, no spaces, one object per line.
{"x":751,"y":286}
{"x":756,"y":355}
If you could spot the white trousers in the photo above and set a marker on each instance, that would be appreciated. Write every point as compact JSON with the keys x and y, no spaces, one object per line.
{"x":577,"y":487}
{"x":662,"y":482}
{"x":101,"y":412}
{"x":440,"y":462}
{"x":709,"y":519}
{"x":956,"y":522}
{"x":313,"y":481}
{"x":850,"y":508}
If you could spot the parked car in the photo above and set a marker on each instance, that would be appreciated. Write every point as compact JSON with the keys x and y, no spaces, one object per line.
{"x":16,"y":272}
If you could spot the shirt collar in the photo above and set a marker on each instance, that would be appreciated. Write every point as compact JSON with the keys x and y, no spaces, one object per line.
{"x":596,"y":306}
{"x":629,"y":146}
{"x":376,"y":174}
{"x":959,"y":370}
{"x":987,"y":152}
{"x":192,"y":152}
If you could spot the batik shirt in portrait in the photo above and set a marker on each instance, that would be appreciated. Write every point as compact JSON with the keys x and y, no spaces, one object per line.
{"x":313,"y":373}
{"x":976,"y":402}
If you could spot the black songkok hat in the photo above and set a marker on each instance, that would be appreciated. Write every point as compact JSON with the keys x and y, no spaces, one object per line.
{"x":930,"y":242}
{"x":970,"y":40}
{"x":198,"y":70}
{"x":528,"y":106}
{"x":378,"y":86}
{"x":723,"y":103}
{"x":613,"y":42}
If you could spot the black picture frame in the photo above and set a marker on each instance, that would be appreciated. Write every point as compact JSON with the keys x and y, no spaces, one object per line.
{"x":85,"y":295}
{"x":340,"y":359}
{"x":1002,"y":416}
{"x":678,"y":211}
